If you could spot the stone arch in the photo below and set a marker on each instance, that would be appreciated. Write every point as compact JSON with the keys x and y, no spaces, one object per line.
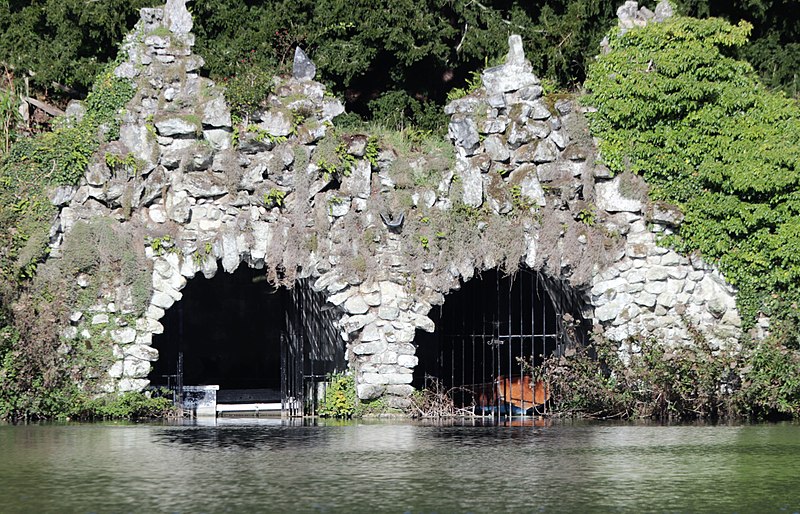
{"x":493,"y":329}
{"x":249,"y":337}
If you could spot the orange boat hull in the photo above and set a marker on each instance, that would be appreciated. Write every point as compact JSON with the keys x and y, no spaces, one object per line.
{"x":522,"y":392}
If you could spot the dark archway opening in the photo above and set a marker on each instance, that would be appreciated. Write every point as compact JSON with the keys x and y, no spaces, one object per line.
{"x":258,"y":343}
{"x":492,"y":333}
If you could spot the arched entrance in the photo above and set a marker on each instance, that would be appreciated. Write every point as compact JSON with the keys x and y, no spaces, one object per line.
{"x":491,"y":333}
{"x":262,"y":345}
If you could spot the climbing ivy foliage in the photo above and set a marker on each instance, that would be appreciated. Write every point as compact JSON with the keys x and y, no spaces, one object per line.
{"x":38,"y":378}
{"x":54,"y":158}
{"x":674,"y":106}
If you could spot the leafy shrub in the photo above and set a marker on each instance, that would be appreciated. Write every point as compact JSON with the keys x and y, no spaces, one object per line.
{"x":9,"y":117}
{"x":130,"y":405}
{"x":398,"y":110}
{"x":684,"y":383}
{"x":340,"y":397}
{"x":474,"y":82}
{"x":681,"y":383}
{"x":42,"y":376}
{"x":55,"y":158}
{"x":248,"y":86}
{"x":676,"y":108}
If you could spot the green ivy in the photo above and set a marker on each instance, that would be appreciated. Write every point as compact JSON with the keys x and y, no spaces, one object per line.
{"x":60,"y":157}
{"x":36,"y":380}
{"x":674,"y":106}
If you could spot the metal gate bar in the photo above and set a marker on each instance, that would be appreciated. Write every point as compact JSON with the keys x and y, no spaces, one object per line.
{"x":310,"y":349}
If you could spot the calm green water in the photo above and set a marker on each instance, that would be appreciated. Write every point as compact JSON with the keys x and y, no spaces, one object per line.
{"x":263,"y":466}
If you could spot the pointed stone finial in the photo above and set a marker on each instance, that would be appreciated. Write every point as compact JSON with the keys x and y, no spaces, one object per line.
{"x":177,"y":17}
{"x":303,"y":68}
{"x":514,"y":74}
{"x":516,"y":56}
{"x":626,"y":13}
{"x":663,"y":11}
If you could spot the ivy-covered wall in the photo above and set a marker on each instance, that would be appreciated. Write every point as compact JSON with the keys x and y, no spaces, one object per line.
{"x":675,"y":107}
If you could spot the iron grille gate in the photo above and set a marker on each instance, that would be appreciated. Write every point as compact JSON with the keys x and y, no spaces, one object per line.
{"x":493,"y":332}
{"x":310,"y":350}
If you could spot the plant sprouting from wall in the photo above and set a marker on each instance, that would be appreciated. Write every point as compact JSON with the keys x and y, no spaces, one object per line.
{"x":340,"y":397}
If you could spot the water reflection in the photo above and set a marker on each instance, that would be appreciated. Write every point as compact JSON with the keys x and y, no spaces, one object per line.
{"x":268,"y":465}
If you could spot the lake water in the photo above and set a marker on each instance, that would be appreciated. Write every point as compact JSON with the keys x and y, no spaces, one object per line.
{"x":266,"y":466}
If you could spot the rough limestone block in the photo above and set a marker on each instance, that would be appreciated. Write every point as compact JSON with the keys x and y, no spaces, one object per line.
{"x":115,"y":371}
{"x":610,"y":198}
{"x":496,"y":148}
{"x":369,"y":348}
{"x":656,"y":273}
{"x":471,"y":182}
{"x":100,"y":319}
{"x":162,"y":300}
{"x":277,"y":122}
{"x":176,"y":126}
{"x":398,"y":378}
{"x":358,"y":183}
{"x":375,"y":378}
{"x":125,"y":335}
{"x":613,"y":308}
{"x":216,"y":113}
{"x":539,"y":111}
{"x":231,"y":257}
{"x":135,"y":368}
{"x":464,"y":132}
{"x":408,"y":361}
{"x":370,"y":333}
{"x":141,"y":352}
{"x":369,"y":391}
{"x":350,"y":324}
{"x":386,"y":357}
{"x":204,"y":184}
{"x":302,"y":67}
{"x":465,"y":105}
{"x":132,"y":384}
{"x":514,"y":74}
{"x":177,"y":17}
{"x":525,"y":176}
{"x":546,"y":151}
{"x":356,"y":305}
{"x":496,"y":194}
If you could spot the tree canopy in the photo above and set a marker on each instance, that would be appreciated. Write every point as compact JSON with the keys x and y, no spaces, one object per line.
{"x":386,"y":57}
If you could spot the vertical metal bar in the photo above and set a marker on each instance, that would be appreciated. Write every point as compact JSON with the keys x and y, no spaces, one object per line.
{"x":510,"y":283}
{"x":179,"y":380}
{"x":179,"y":364}
{"x":452,"y":364}
{"x":472,"y":368}
{"x":496,"y":331}
{"x":534,"y":284}
{"x":284,"y":368}
{"x":545,"y":298}
{"x":521,"y":357}
{"x":483,"y":355}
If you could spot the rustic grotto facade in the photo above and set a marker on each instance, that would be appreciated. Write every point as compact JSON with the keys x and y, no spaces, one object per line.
{"x":210,"y":194}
